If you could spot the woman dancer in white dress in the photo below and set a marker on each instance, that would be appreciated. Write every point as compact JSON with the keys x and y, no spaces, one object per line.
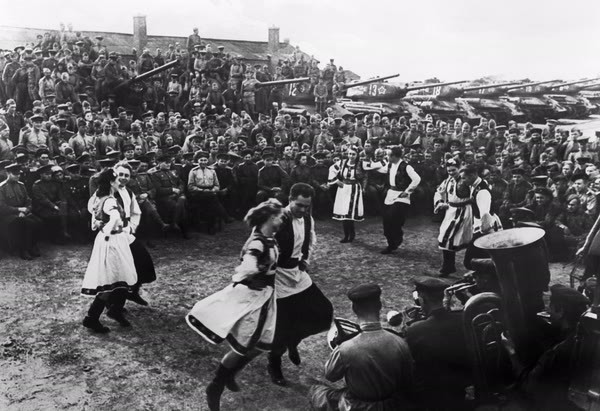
{"x":111,"y":270}
{"x":244,"y":312}
{"x":348,"y":206}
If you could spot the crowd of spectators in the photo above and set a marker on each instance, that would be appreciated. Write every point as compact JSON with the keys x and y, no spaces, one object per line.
{"x":204,"y":163}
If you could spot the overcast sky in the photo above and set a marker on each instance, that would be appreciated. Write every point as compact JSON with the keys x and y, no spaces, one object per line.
{"x":451,"y":40}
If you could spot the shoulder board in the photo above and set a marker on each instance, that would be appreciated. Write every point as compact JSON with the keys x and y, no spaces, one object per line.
{"x":19,"y":182}
{"x":260,"y":169}
{"x":3,"y":183}
{"x":195,"y":168}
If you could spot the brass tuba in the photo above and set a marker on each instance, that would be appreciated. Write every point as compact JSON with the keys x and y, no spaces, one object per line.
{"x":521,"y":260}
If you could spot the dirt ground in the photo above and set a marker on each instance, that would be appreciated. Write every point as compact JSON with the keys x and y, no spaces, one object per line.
{"x":50,"y":362}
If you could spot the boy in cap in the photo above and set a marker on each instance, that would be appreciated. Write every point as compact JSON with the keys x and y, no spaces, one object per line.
{"x":376,"y":364}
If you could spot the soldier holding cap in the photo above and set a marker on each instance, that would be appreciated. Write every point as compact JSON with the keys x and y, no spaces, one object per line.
{"x":376,"y":364}
{"x":170,"y":195}
{"x":442,"y":365}
{"x":18,"y":224}
{"x":49,"y":202}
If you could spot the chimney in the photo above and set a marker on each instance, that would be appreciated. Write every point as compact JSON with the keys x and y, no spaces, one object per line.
{"x":140,"y":33}
{"x":273,"y":39}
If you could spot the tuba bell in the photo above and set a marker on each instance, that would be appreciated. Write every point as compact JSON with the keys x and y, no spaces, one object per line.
{"x":521,"y":260}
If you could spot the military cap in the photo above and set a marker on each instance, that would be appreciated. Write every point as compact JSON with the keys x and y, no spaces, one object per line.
{"x":544,"y":191}
{"x":41,"y":151}
{"x":143,"y":158}
{"x":539,"y":180}
{"x":36,"y":117}
{"x":247,"y":152}
{"x":174,"y":75}
{"x":501,"y":128}
{"x":21,"y":157}
{"x":174,"y":149}
{"x":551,"y":122}
{"x":579,"y":176}
{"x":364,"y":292}
{"x":451,"y":163}
{"x":81,"y":122}
{"x":188,"y":156}
{"x":583,"y":139}
{"x":536,"y":130}
{"x":200,"y":154}
{"x":99,"y":38}
{"x":113,"y":153}
{"x":319,"y":156}
{"x":268,"y":154}
{"x":522,"y":213}
{"x":4,"y":163}
{"x":438,"y":140}
{"x":128,"y":147}
{"x":455,"y":142}
{"x":223,"y":156}
{"x":107,"y":162}
{"x":60,"y":159}
{"x":113,"y":55}
{"x":13,"y":168}
{"x":430,"y":284}
{"x":62,"y":106}
{"x":518,"y":171}
{"x":483,"y":266}
{"x":416,"y":146}
{"x":197,"y":104}
{"x":83,"y":158}
{"x":19,"y":48}
{"x":79,"y":43}
{"x":73,"y":168}
{"x":88,"y":171}
{"x":47,"y":169}
{"x":561,"y":294}
{"x":20,"y":148}
{"x":134,"y":162}
{"x":514,"y":131}
{"x":559,"y":177}
{"x":583,"y":160}
{"x":148,"y":113}
{"x":57,"y":169}
{"x":164,"y":158}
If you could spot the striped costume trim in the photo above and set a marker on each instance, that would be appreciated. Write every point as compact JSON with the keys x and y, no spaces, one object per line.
{"x":89,"y":292}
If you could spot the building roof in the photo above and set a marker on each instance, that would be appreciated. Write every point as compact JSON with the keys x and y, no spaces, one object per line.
{"x":122,"y":43}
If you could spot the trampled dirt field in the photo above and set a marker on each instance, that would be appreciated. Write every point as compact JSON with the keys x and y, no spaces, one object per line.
{"x":50,"y":362}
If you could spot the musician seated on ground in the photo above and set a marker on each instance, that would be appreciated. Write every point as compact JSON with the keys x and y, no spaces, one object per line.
{"x":545,"y":385}
{"x":375,"y":364}
{"x":443,"y":368}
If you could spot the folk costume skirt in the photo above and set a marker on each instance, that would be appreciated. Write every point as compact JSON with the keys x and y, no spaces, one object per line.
{"x":348,"y":203}
{"x":456,"y":231}
{"x":243,"y":317}
{"x":111,"y":265}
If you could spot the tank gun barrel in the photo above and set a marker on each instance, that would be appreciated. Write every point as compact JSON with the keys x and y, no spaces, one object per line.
{"x":152,"y":72}
{"x":590,"y":86}
{"x":282,"y":82}
{"x":532,"y":84}
{"x":571,"y":83}
{"x":486,"y":86}
{"x":369,"y":81}
{"x":430,"y":85}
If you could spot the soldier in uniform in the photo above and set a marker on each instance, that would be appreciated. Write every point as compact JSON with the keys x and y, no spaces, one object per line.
{"x":246,"y":177}
{"x":272,"y":180}
{"x":50,"y":204}
{"x":19,"y":226}
{"x":170,"y":196}
{"x":323,"y":202}
{"x":227,"y":183}
{"x":141,"y":186}
{"x":36,"y":137}
{"x":515,"y":194}
{"x":442,"y":365}
{"x":248,"y":93}
{"x":77,"y":190}
{"x":376,"y":363}
{"x":202,"y":188}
